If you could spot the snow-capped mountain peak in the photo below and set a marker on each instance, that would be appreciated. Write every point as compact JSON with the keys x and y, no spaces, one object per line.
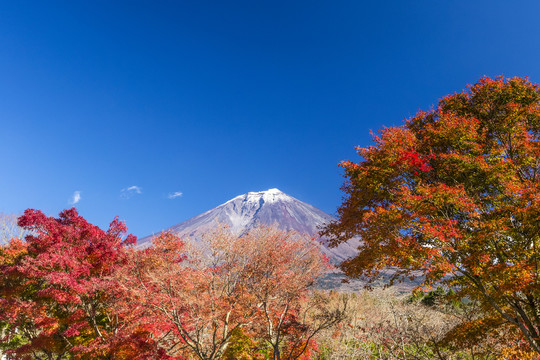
{"x":268,"y":196}
{"x":270,"y":207}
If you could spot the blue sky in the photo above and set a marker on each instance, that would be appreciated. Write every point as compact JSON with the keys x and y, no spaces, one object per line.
{"x":131,"y":102}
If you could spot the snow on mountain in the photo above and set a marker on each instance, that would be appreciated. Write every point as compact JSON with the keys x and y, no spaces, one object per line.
{"x":270,"y":207}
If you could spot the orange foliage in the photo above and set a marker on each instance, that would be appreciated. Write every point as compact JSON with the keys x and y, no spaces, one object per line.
{"x":455,"y":194}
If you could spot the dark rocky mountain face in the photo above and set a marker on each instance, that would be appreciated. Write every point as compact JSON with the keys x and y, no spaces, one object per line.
{"x":271,"y":207}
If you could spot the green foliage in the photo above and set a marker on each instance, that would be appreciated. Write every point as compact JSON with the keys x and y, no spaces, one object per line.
{"x":11,"y":339}
{"x":241,"y":347}
{"x":439,"y":296}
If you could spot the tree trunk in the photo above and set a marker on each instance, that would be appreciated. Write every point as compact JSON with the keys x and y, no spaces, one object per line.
{"x":277,"y":353}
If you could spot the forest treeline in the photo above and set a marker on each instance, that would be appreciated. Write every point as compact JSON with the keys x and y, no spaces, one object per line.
{"x":70,"y":290}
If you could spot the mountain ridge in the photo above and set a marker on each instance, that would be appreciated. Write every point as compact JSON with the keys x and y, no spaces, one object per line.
{"x":271,"y":207}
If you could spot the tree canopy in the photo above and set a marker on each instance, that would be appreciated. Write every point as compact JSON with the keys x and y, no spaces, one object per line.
{"x":70,"y":290}
{"x":57,"y":296}
{"x":454,"y":195}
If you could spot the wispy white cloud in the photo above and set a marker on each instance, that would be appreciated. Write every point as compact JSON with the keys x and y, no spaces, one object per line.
{"x":128,"y":192}
{"x":175,"y":194}
{"x":75,"y":198}
{"x":137,"y":189}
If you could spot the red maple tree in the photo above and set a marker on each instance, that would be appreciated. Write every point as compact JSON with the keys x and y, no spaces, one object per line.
{"x":57,"y":291}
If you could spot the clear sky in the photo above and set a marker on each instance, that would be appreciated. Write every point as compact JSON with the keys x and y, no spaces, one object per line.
{"x":129,"y":103}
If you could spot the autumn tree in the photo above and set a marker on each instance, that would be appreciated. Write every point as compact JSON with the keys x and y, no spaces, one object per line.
{"x":10,"y":248}
{"x":194,"y":293}
{"x":57,"y":293}
{"x":10,"y":251}
{"x":282,"y":269}
{"x":204,"y":295}
{"x":454,"y":194}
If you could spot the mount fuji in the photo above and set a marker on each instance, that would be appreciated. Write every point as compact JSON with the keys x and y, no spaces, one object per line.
{"x":270,"y":207}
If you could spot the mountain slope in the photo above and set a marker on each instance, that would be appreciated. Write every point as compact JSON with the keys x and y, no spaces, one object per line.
{"x":271,"y":207}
